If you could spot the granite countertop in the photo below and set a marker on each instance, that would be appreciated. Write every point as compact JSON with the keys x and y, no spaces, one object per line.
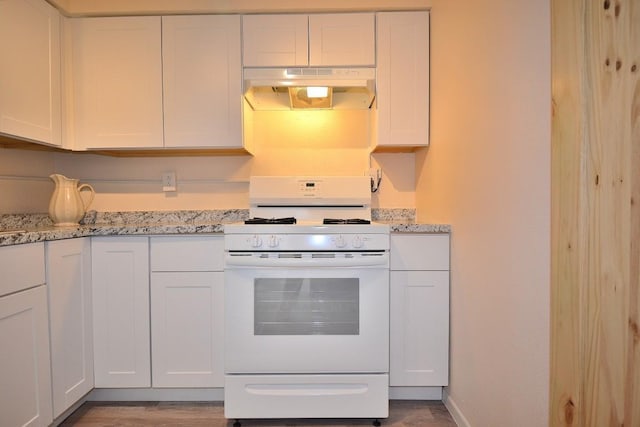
{"x":18,"y":229}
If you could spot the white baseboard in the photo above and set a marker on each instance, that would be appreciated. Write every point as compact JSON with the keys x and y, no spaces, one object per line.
{"x":217,"y":394}
{"x":415,"y":393}
{"x":156,"y":394}
{"x":454,"y":410}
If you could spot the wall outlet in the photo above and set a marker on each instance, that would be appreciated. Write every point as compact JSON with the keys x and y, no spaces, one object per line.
{"x":169,"y":181}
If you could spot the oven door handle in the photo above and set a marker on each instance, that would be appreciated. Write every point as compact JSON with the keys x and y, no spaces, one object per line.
{"x":240,"y":261}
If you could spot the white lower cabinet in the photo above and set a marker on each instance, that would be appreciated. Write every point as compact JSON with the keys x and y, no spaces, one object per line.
{"x":25,"y":372}
{"x":420,"y":324}
{"x":120,"y":277}
{"x":70,"y":315}
{"x":158,"y":311}
{"x":419,"y":310}
{"x":187,"y":311}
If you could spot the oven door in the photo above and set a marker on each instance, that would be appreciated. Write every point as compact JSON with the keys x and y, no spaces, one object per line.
{"x":304,"y":315}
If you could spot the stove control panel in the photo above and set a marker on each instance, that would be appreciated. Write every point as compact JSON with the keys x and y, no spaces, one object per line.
{"x":306,"y":242}
{"x":339,"y":241}
{"x":255,"y":241}
{"x":273,"y":241}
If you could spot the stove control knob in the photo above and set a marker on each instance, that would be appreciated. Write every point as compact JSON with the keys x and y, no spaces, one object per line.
{"x":340,"y":242}
{"x":256,"y":241}
{"x":273,"y":241}
{"x":358,"y":242}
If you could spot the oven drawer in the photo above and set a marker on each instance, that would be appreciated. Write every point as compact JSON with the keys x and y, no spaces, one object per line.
{"x":306,"y":396}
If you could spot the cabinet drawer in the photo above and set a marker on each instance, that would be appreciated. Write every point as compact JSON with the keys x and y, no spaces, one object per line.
{"x":419,"y":251}
{"x":187,"y":253}
{"x":21,"y":267}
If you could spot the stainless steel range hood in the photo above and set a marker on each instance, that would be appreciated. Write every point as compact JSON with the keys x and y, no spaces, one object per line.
{"x":293,"y":88}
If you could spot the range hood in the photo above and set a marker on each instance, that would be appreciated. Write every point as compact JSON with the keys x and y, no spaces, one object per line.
{"x":294,"y":88}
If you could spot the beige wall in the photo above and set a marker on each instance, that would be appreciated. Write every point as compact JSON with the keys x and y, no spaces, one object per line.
{"x":25,"y":186}
{"x":284,"y":143}
{"x":487,"y":173}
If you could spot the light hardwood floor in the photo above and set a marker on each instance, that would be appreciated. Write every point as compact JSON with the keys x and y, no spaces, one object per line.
{"x":402,"y":413}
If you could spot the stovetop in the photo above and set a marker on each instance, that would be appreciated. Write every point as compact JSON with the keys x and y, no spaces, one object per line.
{"x":338,"y":221}
{"x":292,"y":220}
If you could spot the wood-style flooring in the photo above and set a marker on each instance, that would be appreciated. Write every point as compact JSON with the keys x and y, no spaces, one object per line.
{"x":402,"y":413}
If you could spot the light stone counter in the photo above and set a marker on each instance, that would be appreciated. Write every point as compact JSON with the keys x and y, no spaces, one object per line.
{"x":419,"y":228}
{"x":18,"y":229}
{"x":403,"y":221}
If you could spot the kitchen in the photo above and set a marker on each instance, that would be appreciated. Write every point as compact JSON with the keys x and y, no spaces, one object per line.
{"x":486,"y":173}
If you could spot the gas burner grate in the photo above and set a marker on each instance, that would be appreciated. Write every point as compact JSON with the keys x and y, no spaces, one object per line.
{"x":287,"y":220}
{"x":345,"y":221}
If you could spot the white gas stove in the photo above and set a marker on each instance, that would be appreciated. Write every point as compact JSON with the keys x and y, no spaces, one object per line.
{"x":286,"y":211}
{"x":306,"y":302}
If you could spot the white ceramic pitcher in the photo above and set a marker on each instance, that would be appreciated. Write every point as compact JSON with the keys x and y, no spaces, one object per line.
{"x":66,"y":206}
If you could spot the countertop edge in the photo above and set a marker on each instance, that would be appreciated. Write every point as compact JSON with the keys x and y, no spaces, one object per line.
{"x":51,"y":233}
{"x":419,"y":228}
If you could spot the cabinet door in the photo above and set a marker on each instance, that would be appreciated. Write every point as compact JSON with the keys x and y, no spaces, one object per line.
{"x":202,"y":81}
{"x":402,"y":95}
{"x":419,"y":321}
{"x":30,"y":70}
{"x":70,"y":314}
{"x":25,"y":394}
{"x":342,"y":39}
{"x":275,"y":40}
{"x":117,"y":82}
{"x":187,"y":329}
{"x":120,"y":276}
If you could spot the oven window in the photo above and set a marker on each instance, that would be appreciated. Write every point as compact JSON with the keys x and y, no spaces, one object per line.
{"x":306,"y":306}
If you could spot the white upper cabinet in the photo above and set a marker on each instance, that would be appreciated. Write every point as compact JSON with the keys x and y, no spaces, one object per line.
{"x":117,"y":82}
{"x":342,"y":39}
{"x":156,"y":82}
{"x":275,"y":40}
{"x":30,"y":71}
{"x":309,"y":40}
{"x":402,"y":95}
{"x":202,"y":78}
